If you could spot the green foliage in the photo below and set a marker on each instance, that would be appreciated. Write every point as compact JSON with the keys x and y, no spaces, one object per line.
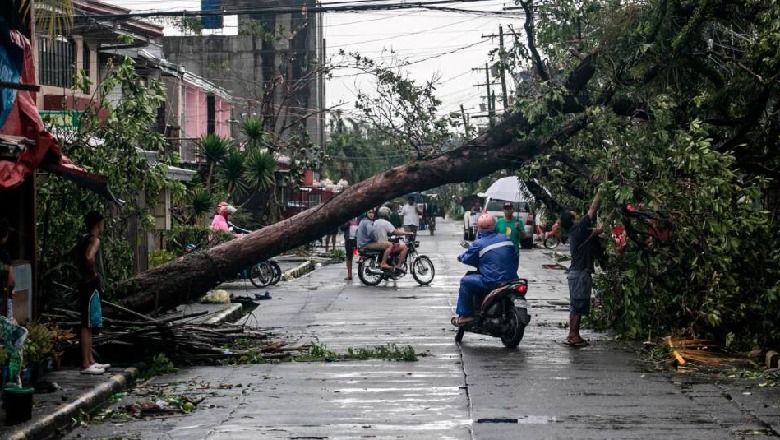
{"x":338,"y":254}
{"x":688,"y":137}
{"x":113,"y":140}
{"x":260,"y":170}
{"x":39,"y":343}
{"x":160,"y":256}
{"x":390,"y":352}
{"x":160,"y":365}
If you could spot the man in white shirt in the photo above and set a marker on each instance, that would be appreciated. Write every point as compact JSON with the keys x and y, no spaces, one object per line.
{"x":411,"y":214}
{"x":382,"y":229}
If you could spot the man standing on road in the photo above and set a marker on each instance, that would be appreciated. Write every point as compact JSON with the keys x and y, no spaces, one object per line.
{"x":89,"y":260}
{"x":510,"y":225}
{"x":493,"y":254}
{"x":350,"y":244}
{"x":583,"y":238}
{"x":411,"y":214}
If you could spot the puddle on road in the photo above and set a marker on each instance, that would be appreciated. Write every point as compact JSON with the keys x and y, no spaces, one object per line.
{"x":524,"y":420}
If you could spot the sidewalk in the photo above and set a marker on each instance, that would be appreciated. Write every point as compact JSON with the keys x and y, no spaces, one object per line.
{"x":72,"y":394}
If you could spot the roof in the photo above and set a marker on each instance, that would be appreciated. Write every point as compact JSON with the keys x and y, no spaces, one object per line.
{"x":172,"y":69}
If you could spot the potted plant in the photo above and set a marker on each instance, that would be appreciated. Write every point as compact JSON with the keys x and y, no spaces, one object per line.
{"x":37,"y":346}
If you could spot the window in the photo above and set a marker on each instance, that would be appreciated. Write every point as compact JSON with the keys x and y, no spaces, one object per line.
{"x":86,"y":57}
{"x":211,"y":113}
{"x":57,"y":61}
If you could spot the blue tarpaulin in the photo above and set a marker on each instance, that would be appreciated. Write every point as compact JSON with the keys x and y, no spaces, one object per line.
{"x":211,"y":21}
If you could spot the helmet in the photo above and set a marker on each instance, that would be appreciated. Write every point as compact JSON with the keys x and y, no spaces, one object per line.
{"x":223,"y":208}
{"x":486,"y":222}
{"x":384,"y":211}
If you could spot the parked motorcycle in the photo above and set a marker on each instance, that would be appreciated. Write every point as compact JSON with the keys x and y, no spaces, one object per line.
{"x":371,"y":273}
{"x":502,"y":313}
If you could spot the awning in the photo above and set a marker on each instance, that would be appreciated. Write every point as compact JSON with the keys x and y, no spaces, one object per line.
{"x":92,"y":182}
{"x":28,"y":144}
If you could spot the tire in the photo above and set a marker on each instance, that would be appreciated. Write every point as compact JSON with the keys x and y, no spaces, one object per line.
{"x":459,"y":334}
{"x":465,"y":234}
{"x":551,"y":242}
{"x":261,"y":274}
{"x":277,"y":272}
{"x":423,"y":270}
{"x":515,"y":329}
{"x":365,"y":277}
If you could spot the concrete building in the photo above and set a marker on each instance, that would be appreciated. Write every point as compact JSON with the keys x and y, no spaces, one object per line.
{"x":271,"y":67}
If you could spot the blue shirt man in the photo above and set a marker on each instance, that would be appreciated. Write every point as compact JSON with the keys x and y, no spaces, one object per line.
{"x":495,"y":257}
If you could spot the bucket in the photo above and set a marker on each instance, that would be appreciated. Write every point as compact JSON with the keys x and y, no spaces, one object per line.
{"x":18,"y":404}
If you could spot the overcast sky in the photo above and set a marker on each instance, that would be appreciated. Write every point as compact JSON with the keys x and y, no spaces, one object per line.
{"x":448,"y":45}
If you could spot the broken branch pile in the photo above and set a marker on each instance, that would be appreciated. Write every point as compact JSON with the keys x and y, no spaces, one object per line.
{"x":182,"y":338}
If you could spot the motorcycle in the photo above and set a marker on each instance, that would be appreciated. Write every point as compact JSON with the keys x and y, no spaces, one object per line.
{"x":502,"y":313}
{"x":371,"y":273}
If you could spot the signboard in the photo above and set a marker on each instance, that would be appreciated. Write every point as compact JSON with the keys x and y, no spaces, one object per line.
{"x":60,"y":118}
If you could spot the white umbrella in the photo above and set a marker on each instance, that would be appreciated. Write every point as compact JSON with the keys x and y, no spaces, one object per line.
{"x":505,"y":188}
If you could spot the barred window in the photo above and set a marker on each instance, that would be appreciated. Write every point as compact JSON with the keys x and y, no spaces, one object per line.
{"x":57,"y":61}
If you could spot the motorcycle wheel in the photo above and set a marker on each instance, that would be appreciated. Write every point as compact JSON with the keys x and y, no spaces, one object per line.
{"x":459,"y":334}
{"x":369,"y":263}
{"x":513,"y":330}
{"x":551,"y":242}
{"x":277,"y":272}
{"x":423,"y":270}
{"x":260,"y":274}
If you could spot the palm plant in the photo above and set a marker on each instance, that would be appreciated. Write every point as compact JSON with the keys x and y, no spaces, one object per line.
{"x":213,"y":149}
{"x":261,"y":167}
{"x":233,"y":170}
{"x":55,"y":16}
{"x":201,"y":201}
{"x":253,"y":130}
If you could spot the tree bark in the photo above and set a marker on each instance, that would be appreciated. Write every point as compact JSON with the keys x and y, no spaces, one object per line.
{"x":191,"y":276}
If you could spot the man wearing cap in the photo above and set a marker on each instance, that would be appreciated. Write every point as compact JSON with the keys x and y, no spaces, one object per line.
{"x":510,"y":226}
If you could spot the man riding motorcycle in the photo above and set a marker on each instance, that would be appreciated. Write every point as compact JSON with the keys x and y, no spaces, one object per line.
{"x":493,"y":254}
{"x":382,"y":229}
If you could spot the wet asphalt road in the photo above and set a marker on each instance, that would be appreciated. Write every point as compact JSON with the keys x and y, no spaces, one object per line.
{"x":541,"y":390}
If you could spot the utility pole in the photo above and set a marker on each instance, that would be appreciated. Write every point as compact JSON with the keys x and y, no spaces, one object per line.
{"x":465,"y":122}
{"x":502,"y":67}
{"x":490,"y":105}
{"x":502,"y":58}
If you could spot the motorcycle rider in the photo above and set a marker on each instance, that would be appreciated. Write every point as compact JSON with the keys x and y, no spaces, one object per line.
{"x":382,"y":229}
{"x":493,"y":254}
{"x":365,"y":231}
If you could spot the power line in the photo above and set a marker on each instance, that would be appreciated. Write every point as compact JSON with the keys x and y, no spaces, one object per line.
{"x":429,"y":5}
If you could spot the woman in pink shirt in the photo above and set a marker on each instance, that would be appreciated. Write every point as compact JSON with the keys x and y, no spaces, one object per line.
{"x":220,"y":221}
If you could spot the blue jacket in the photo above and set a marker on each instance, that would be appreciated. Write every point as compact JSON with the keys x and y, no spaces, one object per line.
{"x":494,"y":255}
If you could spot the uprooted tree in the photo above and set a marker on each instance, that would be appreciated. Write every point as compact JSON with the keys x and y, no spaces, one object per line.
{"x":668,"y":105}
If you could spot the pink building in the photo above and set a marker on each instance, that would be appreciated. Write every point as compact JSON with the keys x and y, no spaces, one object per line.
{"x":194,"y":107}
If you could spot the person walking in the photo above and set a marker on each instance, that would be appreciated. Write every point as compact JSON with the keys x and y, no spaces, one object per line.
{"x":583,"y":237}
{"x":89,"y":260}
{"x":350,"y":244}
{"x":411,"y":214}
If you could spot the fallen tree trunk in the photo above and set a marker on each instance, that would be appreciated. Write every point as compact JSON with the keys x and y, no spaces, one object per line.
{"x":191,"y":276}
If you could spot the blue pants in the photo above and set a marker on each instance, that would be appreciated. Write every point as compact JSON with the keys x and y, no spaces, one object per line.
{"x":471,"y":285}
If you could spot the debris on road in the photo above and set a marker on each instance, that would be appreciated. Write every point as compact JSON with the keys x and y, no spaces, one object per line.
{"x":703,"y":352}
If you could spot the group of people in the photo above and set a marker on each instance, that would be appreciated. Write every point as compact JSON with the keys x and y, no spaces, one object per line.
{"x":372,"y":231}
{"x":495,"y":253}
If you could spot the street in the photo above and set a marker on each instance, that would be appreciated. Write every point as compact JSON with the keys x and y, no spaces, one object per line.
{"x":479,"y":389}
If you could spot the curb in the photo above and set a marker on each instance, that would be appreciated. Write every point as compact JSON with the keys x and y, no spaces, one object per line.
{"x":300,"y":270}
{"x":230,"y":314}
{"x":51,"y":425}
